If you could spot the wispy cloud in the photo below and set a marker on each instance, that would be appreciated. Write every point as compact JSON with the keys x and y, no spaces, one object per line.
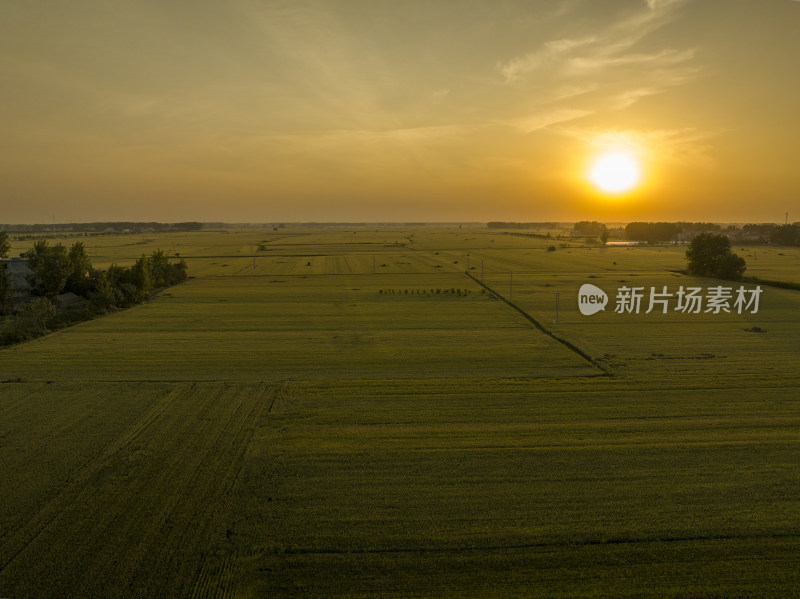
{"x":663,"y":59}
{"x":604,"y":50}
{"x":686,"y":147}
{"x":606,"y":70}
{"x":551,"y":53}
{"x":538,"y":121}
{"x":439,"y":96}
{"x":404,"y":135}
{"x":658,"y":4}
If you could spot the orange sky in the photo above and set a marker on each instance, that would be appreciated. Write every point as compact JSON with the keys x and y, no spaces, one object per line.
{"x":344,"y":110}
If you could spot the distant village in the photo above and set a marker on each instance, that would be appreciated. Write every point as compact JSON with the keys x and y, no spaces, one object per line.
{"x":664,"y":232}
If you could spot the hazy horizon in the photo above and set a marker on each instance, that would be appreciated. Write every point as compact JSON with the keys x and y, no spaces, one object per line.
{"x":320,"y":111}
{"x":370,"y":223}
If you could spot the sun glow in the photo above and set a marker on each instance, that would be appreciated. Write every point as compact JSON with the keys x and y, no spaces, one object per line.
{"x":615,"y":172}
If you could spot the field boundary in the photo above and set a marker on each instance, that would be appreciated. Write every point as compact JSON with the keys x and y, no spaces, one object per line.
{"x":587,"y":542}
{"x":570,"y":346}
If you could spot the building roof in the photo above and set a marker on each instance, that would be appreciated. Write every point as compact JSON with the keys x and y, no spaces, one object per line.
{"x":18,"y":271}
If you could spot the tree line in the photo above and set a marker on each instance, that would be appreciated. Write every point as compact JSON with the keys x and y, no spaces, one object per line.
{"x":788,"y":234}
{"x":592,"y":229}
{"x":513,"y":225}
{"x":785,"y":234}
{"x":56,"y":269}
{"x":113,"y":227}
{"x":652,"y":232}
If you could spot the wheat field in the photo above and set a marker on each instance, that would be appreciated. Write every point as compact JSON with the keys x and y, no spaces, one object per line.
{"x":390,"y":411}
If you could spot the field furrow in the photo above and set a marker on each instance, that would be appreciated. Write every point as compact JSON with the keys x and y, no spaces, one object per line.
{"x":146,"y":508}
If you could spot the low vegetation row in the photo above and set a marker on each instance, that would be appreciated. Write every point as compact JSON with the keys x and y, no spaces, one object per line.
{"x":65,"y":288}
{"x":451,"y":291}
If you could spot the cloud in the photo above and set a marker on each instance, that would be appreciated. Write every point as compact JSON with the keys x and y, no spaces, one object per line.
{"x":659,"y":4}
{"x":438,"y":96}
{"x":573,"y":77}
{"x":536,"y":122}
{"x":663,"y":59}
{"x":606,"y":49}
{"x":551,"y":53}
{"x":685,"y":146}
{"x":367,"y":140}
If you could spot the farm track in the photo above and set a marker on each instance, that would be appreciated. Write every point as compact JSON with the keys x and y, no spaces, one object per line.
{"x":570,"y":346}
{"x":135,"y":520}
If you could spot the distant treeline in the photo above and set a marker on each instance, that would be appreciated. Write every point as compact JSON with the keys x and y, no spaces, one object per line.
{"x":784,"y":234}
{"x":354,"y":224}
{"x":668,"y":232}
{"x":146,"y":227}
{"x":593,"y":228}
{"x":662,"y":232}
{"x":106,"y":227}
{"x":652,"y":232}
{"x":503,"y":225}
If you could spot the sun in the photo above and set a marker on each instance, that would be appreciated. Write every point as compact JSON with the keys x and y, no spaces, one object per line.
{"x":615,"y":172}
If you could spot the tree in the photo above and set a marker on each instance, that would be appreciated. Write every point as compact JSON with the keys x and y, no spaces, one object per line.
{"x":651,"y":232}
{"x":699,"y":227}
{"x":5,"y":279}
{"x":141,"y":277}
{"x":80,"y":266}
{"x":51,"y":268}
{"x":164,"y":273}
{"x":786,"y":235}
{"x":119,"y":278}
{"x":33,"y":317}
{"x":5,"y":289}
{"x":179,"y":272}
{"x":103,"y":294}
{"x":5,"y":244}
{"x":159,"y":264}
{"x":731,"y":267}
{"x":592,"y":228}
{"x":710,"y":255}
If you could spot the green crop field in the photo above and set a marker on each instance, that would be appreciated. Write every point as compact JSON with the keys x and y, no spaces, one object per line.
{"x":345,"y":412}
